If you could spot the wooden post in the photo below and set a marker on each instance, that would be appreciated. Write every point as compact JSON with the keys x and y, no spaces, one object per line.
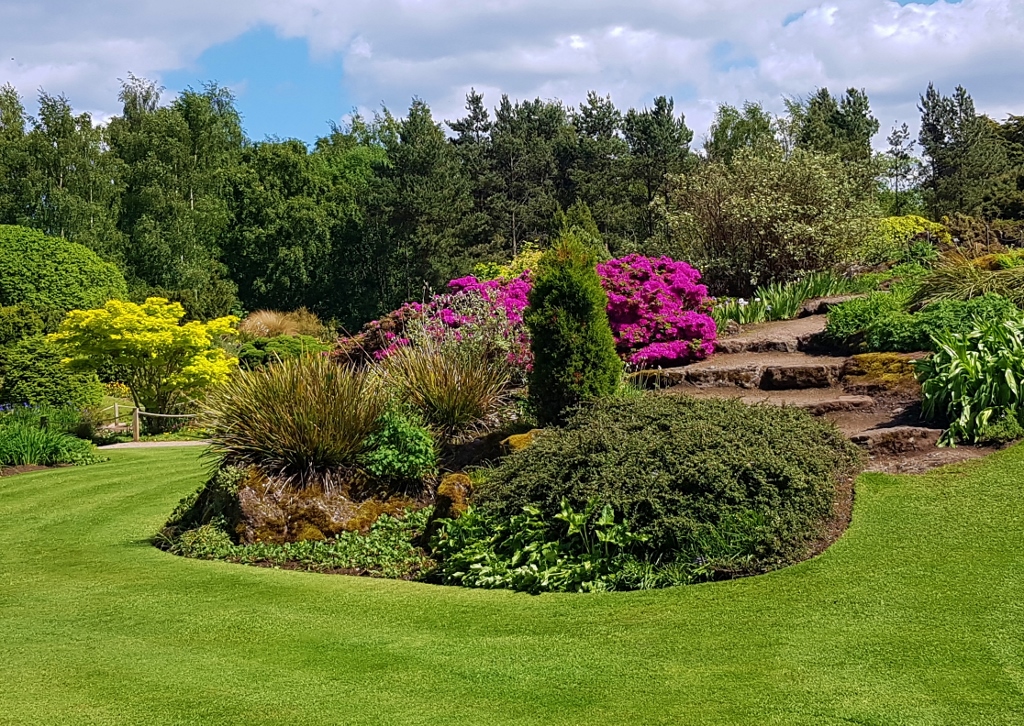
{"x":135,"y":424}
{"x":117,"y":413}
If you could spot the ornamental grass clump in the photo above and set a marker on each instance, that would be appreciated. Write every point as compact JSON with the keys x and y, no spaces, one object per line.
{"x":455,"y":389}
{"x":301,"y":422}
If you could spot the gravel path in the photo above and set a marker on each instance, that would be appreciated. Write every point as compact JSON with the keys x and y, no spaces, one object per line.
{"x":154,"y":444}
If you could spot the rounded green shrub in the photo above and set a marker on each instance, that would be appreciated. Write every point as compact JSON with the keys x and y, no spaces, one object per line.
{"x":574,"y":356}
{"x":51,"y":273}
{"x":31,"y":372}
{"x":261,"y":351}
{"x":692,"y":477}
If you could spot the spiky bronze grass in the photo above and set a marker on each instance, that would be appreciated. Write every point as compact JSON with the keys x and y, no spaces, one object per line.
{"x":454,"y":388}
{"x":301,"y":422}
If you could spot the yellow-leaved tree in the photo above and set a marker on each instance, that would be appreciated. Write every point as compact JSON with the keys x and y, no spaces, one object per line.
{"x":163,"y":362}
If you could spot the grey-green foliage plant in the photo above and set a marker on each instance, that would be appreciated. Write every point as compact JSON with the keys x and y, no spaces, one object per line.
{"x":976,"y":381}
{"x":573,"y":347}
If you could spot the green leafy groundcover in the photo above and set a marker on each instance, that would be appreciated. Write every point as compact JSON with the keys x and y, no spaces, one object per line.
{"x":635,"y":493}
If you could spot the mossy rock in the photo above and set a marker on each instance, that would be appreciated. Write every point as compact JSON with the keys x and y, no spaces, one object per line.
{"x":451,"y":501}
{"x":518,"y":442}
{"x":306,"y":532}
{"x":893,"y":372}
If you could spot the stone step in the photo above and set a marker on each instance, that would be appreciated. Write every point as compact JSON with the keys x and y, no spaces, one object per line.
{"x":787,"y":336}
{"x":898,"y":439}
{"x":816,"y":401}
{"x":821,"y":305}
{"x":767,"y":371}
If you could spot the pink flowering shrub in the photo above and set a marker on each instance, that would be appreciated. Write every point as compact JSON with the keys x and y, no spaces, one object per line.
{"x":658,"y":310}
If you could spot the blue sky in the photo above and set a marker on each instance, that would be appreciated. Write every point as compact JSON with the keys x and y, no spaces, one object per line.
{"x":296,"y":65}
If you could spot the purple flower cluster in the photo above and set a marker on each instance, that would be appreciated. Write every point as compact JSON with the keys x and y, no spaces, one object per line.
{"x":658,"y":310}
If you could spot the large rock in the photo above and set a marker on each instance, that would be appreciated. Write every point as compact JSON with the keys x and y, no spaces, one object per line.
{"x":276,"y":514}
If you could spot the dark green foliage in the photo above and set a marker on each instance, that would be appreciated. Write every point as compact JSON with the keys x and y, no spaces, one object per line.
{"x":881,"y":322}
{"x":573,"y":348}
{"x":214,"y":503}
{"x":840,"y":126}
{"x":53,"y":274}
{"x":22,"y":321}
{"x":260,"y":351}
{"x":685,"y":474}
{"x":964,"y":155}
{"x":400,"y":451}
{"x":31,"y":372}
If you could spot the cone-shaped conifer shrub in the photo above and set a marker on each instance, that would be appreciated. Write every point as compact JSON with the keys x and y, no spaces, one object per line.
{"x":573,"y":348}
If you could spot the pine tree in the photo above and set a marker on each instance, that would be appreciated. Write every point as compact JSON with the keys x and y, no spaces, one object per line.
{"x":573,"y":348}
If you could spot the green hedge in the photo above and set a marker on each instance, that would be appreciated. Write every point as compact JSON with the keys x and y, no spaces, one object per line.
{"x":31,"y":372}
{"x":51,"y":273}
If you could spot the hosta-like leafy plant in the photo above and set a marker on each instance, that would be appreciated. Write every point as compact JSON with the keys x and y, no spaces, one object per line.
{"x":976,"y":379}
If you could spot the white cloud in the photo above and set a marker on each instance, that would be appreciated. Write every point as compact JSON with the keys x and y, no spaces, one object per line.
{"x":437,"y":49}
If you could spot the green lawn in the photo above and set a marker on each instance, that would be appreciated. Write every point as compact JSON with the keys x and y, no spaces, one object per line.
{"x":914,"y":617}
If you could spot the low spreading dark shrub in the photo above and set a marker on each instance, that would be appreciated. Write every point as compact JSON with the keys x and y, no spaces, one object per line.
{"x":684,"y":474}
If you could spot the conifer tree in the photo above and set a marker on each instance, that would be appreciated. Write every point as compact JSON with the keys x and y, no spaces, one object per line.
{"x":573,"y":348}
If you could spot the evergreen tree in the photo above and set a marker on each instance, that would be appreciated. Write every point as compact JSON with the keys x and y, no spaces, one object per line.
{"x":828,"y":125}
{"x":659,"y":145}
{"x":963,"y":152}
{"x":573,"y":348}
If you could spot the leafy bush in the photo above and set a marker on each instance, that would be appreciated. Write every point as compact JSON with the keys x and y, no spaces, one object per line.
{"x":400,"y":450}
{"x":51,"y":273}
{"x":686,"y":475}
{"x":657,"y":310}
{"x":304,"y":421}
{"x":24,"y":445}
{"x":976,"y":380}
{"x":32,"y":372}
{"x":65,"y":419}
{"x":880,"y":323}
{"x":579,"y":551}
{"x":904,"y":239}
{"x":260,"y":351}
{"x":163,"y":362}
{"x":271,"y":324}
{"x":767,"y":217}
{"x":574,"y":354}
{"x":454,"y":388}
{"x":18,"y":322}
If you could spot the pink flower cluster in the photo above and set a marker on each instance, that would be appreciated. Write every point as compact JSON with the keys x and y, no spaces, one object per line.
{"x":658,"y":310}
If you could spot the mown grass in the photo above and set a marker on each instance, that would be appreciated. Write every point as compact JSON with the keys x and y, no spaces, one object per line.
{"x":913,"y":617}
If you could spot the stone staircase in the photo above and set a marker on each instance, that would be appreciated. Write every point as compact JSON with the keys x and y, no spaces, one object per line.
{"x":782,"y":363}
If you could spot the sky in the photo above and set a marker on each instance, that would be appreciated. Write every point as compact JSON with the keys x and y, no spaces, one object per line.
{"x":298,"y":65}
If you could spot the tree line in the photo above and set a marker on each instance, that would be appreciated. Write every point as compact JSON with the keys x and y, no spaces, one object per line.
{"x":378,"y":210}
